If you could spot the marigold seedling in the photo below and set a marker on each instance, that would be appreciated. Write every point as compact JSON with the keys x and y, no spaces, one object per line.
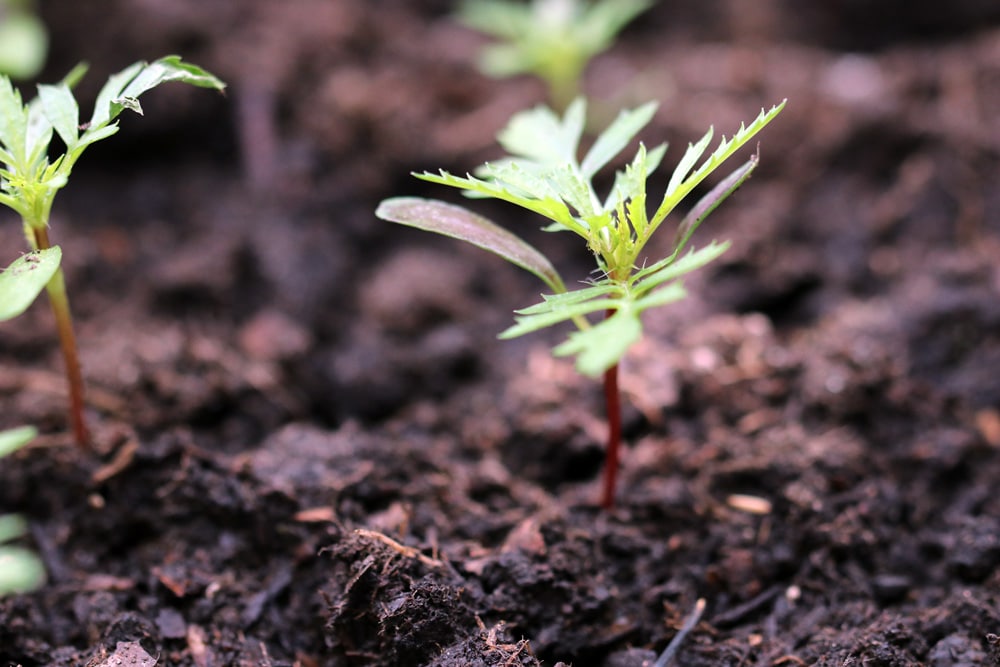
{"x":542,"y":173}
{"x":552,"y":39}
{"x":30,"y":180}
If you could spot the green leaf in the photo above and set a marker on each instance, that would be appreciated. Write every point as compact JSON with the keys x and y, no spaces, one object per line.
{"x":661,"y":297}
{"x":616,"y":137}
{"x":691,"y":155}
{"x":552,"y":302}
{"x":668,"y":269}
{"x":123,"y":89}
{"x":709,"y":202}
{"x":459,"y":223}
{"x":549,"y":207}
{"x":602,"y":346}
{"x":13,"y":121}
{"x":631,"y":182}
{"x":20,"y":570}
{"x":13,"y":439}
{"x":61,"y":110}
{"x":538,"y":134}
{"x":25,"y":278}
{"x":112,"y":88}
{"x":540,"y":320}
{"x":726,"y":149}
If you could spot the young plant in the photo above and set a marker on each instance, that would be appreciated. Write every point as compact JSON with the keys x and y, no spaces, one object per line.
{"x":552,"y":39}
{"x":30,"y":180}
{"x":20,"y":570}
{"x":543,"y":174}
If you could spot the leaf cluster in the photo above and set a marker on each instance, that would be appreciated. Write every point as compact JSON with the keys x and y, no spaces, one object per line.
{"x":543,"y":174}
{"x":553,"y":39}
{"x":30,"y":180}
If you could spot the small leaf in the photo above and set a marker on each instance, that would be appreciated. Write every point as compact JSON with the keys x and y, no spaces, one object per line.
{"x":13,"y":120}
{"x":603,"y":345}
{"x":457,"y":222}
{"x":539,"y":134}
{"x":711,"y":201}
{"x":668,"y":269}
{"x":122,"y":90}
{"x":661,"y":297}
{"x":549,"y":207}
{"x":540,"y":320}
{"x":677,"y":191}
{"x":61,"y":110}
{"x":553,"y":302}
{"x":13,"y":439}
{"x":614,"y":139}
{"x":25,"y":278}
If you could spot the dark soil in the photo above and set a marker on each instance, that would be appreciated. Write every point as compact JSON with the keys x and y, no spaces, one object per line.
{"x":312,"y":450}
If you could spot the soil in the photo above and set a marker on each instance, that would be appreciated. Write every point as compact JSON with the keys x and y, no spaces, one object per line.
{"x":310,"y":448}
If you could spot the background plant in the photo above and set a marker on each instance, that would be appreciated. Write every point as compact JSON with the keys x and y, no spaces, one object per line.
{"x":30,"y":180}
{"x":552,"y":39}
{"x":23,"y":39}
{"x":543,"y":174}
{"x":20,"y":569}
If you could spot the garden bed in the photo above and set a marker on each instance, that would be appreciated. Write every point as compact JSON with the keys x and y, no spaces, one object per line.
{"x":309,"y":447}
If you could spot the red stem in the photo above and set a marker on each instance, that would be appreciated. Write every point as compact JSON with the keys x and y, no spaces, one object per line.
{"x":67,"y":342}
{"x":612,"y":402}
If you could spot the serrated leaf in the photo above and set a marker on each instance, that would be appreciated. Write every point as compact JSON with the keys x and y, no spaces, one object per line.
{"x":691,"y":155}
{"x":526,"y":324}
{"x":616,"y":137}
{"x":603,"y":345}
{"x":13,"y":439}
{"x":25,"y":278}
{"x":726,"y":149}
{"x":552,"y":302}
{"x":457,"y":222}
{"x":632,"y":180}
{"x":549,"y":207}
{"x":665,"y":271}
{"x":60,"y":109}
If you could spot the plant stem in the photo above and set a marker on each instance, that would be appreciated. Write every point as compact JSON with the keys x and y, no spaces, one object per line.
{"x":612,"y":402}
{"x":67,"y":341}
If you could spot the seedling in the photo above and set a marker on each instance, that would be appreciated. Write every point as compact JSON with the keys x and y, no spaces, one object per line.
{"x":543,"y":174}
{"x":29,"y":180}
{"x":20,"y":570}
{"x":552,"y":39}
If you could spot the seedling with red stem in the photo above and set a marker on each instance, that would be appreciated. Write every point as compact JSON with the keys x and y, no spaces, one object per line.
{"x":542,"y":173}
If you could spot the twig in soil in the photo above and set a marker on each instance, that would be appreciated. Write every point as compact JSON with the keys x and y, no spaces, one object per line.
{"x":675,"y":644}
{"x":736,"y":614}
{"x":409,"y":552}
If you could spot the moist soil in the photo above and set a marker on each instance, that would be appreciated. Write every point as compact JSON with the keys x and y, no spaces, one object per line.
{"x":310,"y":449}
